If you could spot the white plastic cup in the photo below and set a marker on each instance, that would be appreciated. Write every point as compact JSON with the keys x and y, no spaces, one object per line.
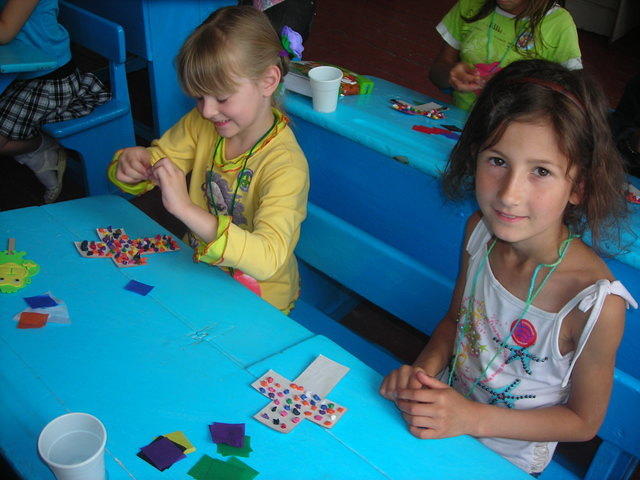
{"x":72,"y":446}
{"x":325,"y":86}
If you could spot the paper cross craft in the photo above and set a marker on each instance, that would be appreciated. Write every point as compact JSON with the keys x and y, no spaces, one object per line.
{"x":124,"y":251}
{"x":302,"y":398}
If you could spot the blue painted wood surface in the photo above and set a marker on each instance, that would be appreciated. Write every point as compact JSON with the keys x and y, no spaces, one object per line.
{"x":155,"y":31}
{"x":373,"y":269}
{"x":372,"y":425}
{"x":370,"y":121}
{"x":132,"y":361}
{"x":17,"y":57}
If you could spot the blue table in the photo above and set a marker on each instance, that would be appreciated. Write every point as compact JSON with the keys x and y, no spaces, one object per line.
{"x":135,"y":363}
{"x":155,"y":31}
{"x":17,"y":57}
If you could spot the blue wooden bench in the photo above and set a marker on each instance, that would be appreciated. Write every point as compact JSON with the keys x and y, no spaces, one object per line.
{"x":110,"y":126}
{"x":371,"y":269}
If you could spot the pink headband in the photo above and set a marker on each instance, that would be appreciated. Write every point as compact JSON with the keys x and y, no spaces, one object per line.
{"x":556,"y":87}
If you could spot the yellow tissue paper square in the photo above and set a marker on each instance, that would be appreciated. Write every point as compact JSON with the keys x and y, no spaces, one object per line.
{"x":181,"y":439}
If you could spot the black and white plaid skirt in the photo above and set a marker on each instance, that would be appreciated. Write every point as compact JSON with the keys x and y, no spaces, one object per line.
{"x":61,"y":95}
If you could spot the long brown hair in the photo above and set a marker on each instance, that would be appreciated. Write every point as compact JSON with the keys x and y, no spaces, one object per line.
{"x":534,"y":12}
{"x":574,"y":105}
{"x":232,"y":42}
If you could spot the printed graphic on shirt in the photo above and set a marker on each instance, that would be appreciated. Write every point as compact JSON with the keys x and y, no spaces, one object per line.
{"x":503,"y":394}
{"x":524,"y":341}
{"x":523,"y":332}
{"x":525,"y":41}
{"x":478,"y":365}
{"x":220,"y":197}
{"x":244,"y":180}
{"x":471,"y":363}
{"x":471,"y":327}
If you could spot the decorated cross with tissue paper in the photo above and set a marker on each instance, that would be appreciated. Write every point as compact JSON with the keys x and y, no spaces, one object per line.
{"x":303,"y":398}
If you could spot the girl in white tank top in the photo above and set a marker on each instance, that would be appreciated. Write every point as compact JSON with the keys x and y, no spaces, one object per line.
{"x":524,"y":357}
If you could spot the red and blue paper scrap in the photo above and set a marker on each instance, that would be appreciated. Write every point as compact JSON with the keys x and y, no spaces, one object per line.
{"x":32,"y":320}
{"x":436,"y":131}
{"x":40,"y":301}
{"x":42,"y":309}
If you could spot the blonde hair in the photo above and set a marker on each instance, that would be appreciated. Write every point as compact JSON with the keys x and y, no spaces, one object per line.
{"x":233,"y":42}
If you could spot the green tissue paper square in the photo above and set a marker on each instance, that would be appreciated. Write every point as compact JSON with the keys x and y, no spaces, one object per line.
{"x":227,"y":450}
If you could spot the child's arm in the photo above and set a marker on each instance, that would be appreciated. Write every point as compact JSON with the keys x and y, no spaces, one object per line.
{"x":448,"y":71}
{"x":443,"y":63}
{"x":134,"y":165}
{"x":445,"y":412}
{"x":175,"y":198}
{"x":13,"y":17}
{"x":131,"y":168}
{"x":437,"y":353}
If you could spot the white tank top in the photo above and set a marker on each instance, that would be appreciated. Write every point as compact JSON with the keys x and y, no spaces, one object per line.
{"x":528,"y":370}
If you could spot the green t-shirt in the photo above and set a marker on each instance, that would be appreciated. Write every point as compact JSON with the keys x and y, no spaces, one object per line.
{"x":493,"y":39}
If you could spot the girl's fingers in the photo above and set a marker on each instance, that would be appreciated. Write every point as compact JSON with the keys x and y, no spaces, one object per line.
{"x":388,"y":387}
{"x":414,"y":382}
{"x":129,"y":175}
{"x":418,"y":421}
{"x":425,"y":433}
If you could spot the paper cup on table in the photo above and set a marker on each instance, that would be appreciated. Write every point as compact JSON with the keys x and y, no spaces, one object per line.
{"x":72,"y":446}
{"x":325,"y":85}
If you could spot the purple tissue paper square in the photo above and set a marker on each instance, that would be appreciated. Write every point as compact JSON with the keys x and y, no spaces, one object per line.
{"x":40,"y":301}
{"x":138,"y":287}
{"x":229,"y":433}
{"x":162,"y":453}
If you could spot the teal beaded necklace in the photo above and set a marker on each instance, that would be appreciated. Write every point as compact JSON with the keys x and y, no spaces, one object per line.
{"x":531,"y":296}
{"x":490,"y":40}
{"x":219,"y":143}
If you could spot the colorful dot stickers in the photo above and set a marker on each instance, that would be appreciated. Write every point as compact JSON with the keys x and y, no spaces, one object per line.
{"x":125,"y":251}
{"x":291,"y":403}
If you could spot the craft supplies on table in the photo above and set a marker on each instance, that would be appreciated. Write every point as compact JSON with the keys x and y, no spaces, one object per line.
{"x":297,"y":80}
{"x":123,"y":250}
{"x":304,"y":397}
{"x":131,"y":361}
{"x":15,"y":270}
{"x":431,"y":109}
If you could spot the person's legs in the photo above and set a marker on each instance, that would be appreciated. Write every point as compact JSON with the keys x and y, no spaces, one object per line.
{"x":44,"y":156}
{"x":11,"y":148}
